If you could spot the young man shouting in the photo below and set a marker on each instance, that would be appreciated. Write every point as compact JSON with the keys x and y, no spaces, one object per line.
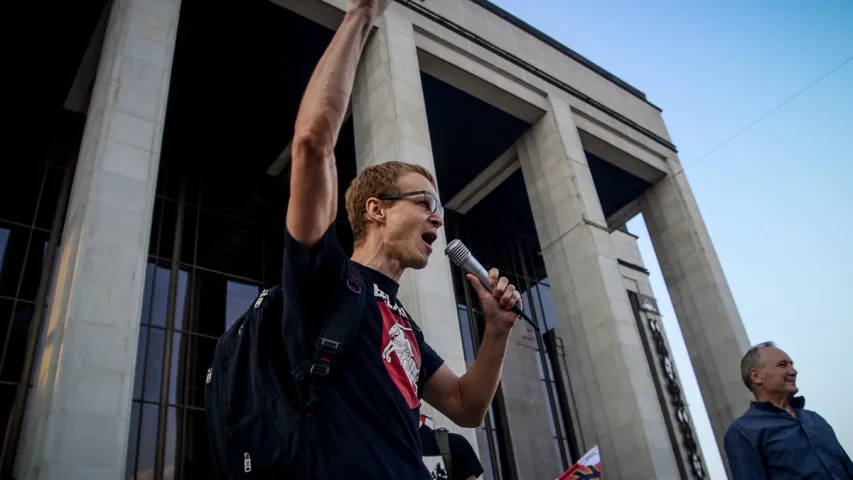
{"x":367,"y":425}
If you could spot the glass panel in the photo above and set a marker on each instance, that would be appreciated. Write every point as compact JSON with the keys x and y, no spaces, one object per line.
{"x":20,"y":183}
{"x":193,"y":446}
{"x":171,"y":457}
{"x":188,"y":235}
{"x":141,"y":350}
{"x":155,"y":299}
{"x":35,"y":264}
{"x":7,"y":399}
{"x":154,"y":364}
{"x":132,"y":442}
{"x":458,"y":285}
{"x":550,"y":370}
{"x":561,"y":426}
{"x":217,"y":300}
{"x":6,"y":306}
{"x":557,"y":454}
{"x":14,"y":240}
{"x":166,"y":238}
{"x":163,"y":178}
{"x":485,"y":453}
{"x":539,"y":364}
{"x":273,"y":239}
{"x":239,"y":297}
{"x":539,"y":269}
{"x":528,"y":302}
{"x":182,"y":297}
{"x":147,"y":442}
{"x":192,"y":355}
{"x":206,"y":293}
{"x":547,"y":306}
{"x":4,"y":239}
{"x":229,"y":245}
{"x":548,"y":408}
{"x":147,"y":291}
{"x":235,"y":192}
{"x":187,"y":451}
{"x":16,"y":341}
{"x":498,"y":454}
{"x":49,"y":197}
{"x":34,"y":369}
{"x":465,"y":330}
{"x":156,"y":218}
{"x":490,"y":253}
{"x":534,"y":299}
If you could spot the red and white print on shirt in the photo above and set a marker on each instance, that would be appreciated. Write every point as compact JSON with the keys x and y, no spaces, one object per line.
{"x":400,"y":352}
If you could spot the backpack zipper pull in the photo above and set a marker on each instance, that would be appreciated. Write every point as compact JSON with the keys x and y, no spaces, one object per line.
{"x":264,"y":293}
{"x":247,"y":462}
{"x":209,"y":375}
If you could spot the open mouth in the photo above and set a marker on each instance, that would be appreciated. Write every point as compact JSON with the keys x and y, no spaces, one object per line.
{"x":428,"y":238}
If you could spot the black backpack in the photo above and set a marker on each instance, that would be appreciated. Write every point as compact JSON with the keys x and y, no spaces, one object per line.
{"x":258,"y":406}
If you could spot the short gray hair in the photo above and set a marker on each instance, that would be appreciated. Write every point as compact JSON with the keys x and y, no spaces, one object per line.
{"x":751,"y":360}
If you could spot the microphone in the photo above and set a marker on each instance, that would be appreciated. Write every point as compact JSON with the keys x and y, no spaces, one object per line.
{"x":459,"y":254}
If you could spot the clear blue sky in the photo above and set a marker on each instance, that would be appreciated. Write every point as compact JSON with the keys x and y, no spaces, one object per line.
{"x":777,"y":200}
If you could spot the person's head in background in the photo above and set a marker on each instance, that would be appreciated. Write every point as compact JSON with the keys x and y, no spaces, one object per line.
{"x":768,"y":372}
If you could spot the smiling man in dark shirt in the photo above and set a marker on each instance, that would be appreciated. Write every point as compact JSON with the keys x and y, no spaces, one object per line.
{"x":777,"y":438}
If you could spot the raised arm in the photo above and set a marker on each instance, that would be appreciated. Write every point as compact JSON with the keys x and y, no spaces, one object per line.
{"x":314,"y":177}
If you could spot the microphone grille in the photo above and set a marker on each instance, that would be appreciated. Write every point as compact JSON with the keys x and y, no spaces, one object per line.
{"x":457,"y":252}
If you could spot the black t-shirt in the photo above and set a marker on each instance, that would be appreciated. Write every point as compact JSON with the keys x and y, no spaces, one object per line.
{"x":367,"y":427}
{"x":464,"y":461}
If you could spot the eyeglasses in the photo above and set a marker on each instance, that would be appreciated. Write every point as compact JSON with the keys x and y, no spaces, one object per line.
{"x":429,"y":201}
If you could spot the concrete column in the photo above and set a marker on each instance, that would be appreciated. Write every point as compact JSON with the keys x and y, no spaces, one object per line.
{"x":616,"y":400}
{"x":712,"y":328}
{"x":389,"y":120}
{"x":637,"y":280}
{"x":78,"y":413}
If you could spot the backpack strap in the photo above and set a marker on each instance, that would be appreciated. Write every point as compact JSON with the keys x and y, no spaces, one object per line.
{"x":442,"y":438}
{"x":335,"y":336}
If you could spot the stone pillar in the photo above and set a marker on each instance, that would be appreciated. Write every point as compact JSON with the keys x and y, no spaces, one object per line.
{"x":712,"y":328}
{"x":389,"y":120}
{"x":77,"y":418}
{"x":612,"y":385}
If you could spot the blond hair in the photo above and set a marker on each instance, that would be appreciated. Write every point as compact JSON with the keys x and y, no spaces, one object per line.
{"x":374,"y":181}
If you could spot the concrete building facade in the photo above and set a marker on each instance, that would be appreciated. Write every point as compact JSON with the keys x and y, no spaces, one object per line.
{"x":154,"y":213}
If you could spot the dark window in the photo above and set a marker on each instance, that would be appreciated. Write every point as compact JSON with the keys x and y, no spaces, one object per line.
{"x":186,"y":306}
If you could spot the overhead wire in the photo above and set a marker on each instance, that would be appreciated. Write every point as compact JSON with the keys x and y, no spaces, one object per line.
{"x":764,"y":116}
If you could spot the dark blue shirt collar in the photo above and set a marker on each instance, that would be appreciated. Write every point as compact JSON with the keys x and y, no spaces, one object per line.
{"x":797,"y":402}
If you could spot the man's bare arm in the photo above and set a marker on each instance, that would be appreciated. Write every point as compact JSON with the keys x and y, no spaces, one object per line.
{"x":314,"y":178}
{"x":466,"y":399}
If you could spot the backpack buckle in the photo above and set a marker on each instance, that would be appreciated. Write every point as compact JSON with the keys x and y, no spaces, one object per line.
{"x":328,"y":346}
{"x":319,"y":370}
{"x":354,"y":285}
